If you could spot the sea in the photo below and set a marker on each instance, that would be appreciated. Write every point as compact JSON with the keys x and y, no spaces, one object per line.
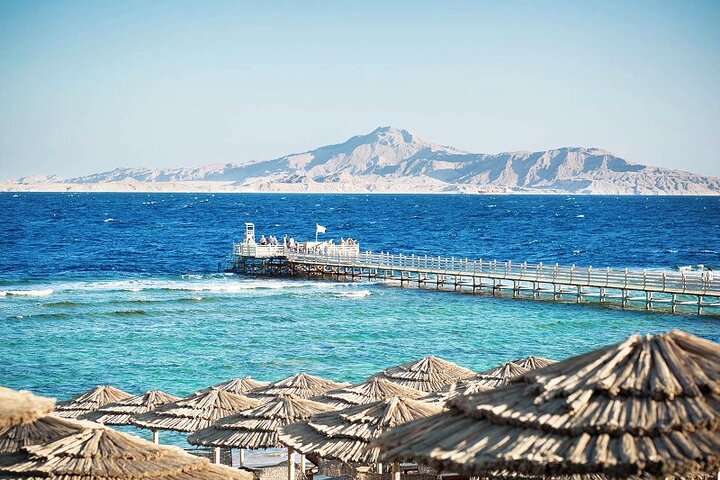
{"x":127,"y":289}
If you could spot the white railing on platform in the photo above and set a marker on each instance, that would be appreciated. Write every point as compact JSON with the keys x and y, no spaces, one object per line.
{"x":659,"y":281}
{"x":256,"y":250}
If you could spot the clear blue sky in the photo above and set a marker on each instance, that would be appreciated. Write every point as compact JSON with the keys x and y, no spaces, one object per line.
{"x":88,"y":86}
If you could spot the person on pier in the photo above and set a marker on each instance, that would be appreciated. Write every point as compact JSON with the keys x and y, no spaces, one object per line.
{"x":263,"y":240}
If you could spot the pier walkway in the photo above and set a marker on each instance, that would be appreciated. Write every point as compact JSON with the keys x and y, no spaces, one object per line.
{"x":678,"y":291}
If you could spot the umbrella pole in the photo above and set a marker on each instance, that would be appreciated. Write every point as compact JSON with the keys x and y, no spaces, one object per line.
{"x":216,"y":455}
{"x":395,"y":471}
{"x":379,"y":468}
{"x":291,"y":465}
{"x":155,"y":437}
{"x":242,"y":457}
{"x":302,"y":465}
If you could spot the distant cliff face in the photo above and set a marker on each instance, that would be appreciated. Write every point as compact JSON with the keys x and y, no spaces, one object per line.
{"x":391,"y":159}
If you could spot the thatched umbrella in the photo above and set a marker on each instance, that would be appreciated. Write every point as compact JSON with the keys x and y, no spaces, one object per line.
{"x":366,"y":392}
{"x":647,"y":406}
{"x":258,"y":427}
{"x":90,"y":401}
{"x":122,"y":412}
{"x":21,"y":407}
{"x":428,"y":374}
{"x":533,"y":363}
{"x":500,"y":375}
{"x":238,"y":385}
{"x":25,"y":420}
{"x":465,"y":387}
{"x":192,"y":413}
{"x":301,"y":385}
{"x":346,"y":435}
{"x":86,"y":451}
{"x":100,"y":453}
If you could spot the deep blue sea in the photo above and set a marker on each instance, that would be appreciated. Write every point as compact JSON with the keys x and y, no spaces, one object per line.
{"x":123,"y":289}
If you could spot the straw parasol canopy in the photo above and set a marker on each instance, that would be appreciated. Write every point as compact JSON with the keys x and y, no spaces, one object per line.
{"x":366,"y":392}
{"x":98,"y":452}
{"x":25,"y":420}
{"x":122,"y":412}
{"x":647,"y":406}
{"x":428,"y":374}
{"x":238,"y":385}
{"x":533,"y":363}
{"x":197,"y":411}
{"x":22,"y":407}
{"x":346,"y":435}
{"x":87,"y":450}
{"x":257,"y":428}
{"x":465,"y":387}
{"x":500,"y":375}
{"x":301,"y":385}
{"x":90,"y":401}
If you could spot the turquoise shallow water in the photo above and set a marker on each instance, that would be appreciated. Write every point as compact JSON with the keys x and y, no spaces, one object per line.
{"x":120,"y":289}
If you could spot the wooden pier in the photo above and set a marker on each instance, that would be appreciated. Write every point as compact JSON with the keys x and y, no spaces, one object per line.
{"x":676,"y":291}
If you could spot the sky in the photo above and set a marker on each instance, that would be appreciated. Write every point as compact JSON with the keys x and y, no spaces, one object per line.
{"x":87,"y":86}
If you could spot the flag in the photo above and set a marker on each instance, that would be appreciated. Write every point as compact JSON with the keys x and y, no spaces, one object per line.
{"x":319,"y":228}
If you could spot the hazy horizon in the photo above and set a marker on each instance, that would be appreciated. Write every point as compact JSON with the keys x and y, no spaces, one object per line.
{"x":86,"y":88}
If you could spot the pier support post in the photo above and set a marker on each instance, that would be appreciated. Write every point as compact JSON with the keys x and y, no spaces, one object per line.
{"x":579,"y":294}
{"x":603,"y":294}
{"x":624,"y":294}
{"x":536,"y":291}
{"x":700,"y":305}
{"x":515,"y":288}
{"x":673,"y":303}
{"x":648,"y":300}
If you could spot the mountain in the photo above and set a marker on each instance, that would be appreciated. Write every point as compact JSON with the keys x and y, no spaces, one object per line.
{"x":395,"y":160}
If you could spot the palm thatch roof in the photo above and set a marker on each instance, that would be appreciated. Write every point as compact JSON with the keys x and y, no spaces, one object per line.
{"x":22,"y":407}
{"x":197,"y":411}
{"x":90,"y":401}
{"x":41,"y":430}
{"x":346,"y":435}
{"x":238,"y":385}
{"x":257,"y":428}
{"x":533,"y":363}
{"x":647,"y":406}
{"x":301,"y":385}
{"x":465,"y":387}
{"x":369,"y":391}
{"x":100,"y":453}
{"x":500,"y":375}
{"x":428,"y":374}
{"x":120,"y":413}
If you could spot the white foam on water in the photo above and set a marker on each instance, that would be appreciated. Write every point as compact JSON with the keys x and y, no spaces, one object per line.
{"x":580,"y":216}
{"x":27,"y":293}
{"x":109,"y":220}
{"x":356,"y":294}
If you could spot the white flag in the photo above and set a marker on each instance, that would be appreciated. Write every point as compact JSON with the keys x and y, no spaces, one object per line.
{"x":319,"y":228}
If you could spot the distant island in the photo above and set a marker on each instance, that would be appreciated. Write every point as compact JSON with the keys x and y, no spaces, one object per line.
{"x":392,"y":160}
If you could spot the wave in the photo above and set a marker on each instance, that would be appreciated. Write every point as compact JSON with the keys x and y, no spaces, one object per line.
{"x":27,"y":293}
{"x":129,"y":312}
{"x":109,"y":220}
{"x":357,"y":294}
{"x":66,"y":303}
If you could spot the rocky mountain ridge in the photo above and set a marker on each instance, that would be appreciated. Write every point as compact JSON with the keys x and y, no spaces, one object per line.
{"x":395,"y":160}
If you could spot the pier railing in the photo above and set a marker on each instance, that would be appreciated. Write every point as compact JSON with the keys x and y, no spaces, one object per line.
{"x":648,"y":280}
